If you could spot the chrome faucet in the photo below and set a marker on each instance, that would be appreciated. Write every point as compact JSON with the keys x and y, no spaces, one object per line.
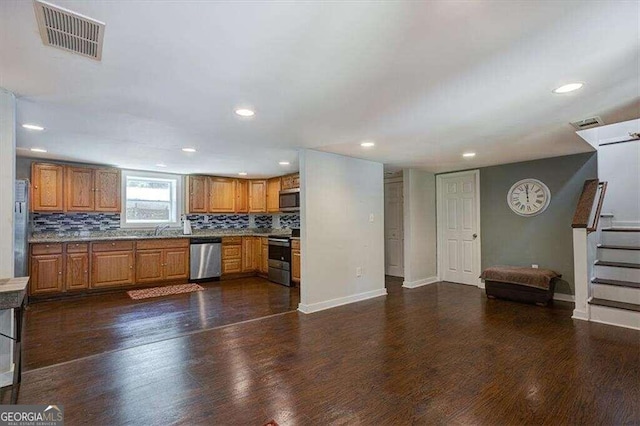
{"x":159,"y":229}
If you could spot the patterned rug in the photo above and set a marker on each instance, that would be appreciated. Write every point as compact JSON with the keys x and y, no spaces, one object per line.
{"x":271,"y":423}
{"x":163,"y":291}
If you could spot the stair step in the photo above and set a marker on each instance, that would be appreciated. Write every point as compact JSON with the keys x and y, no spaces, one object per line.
{"x":614,"y":304}
{"x":617,"y":264}
{"x":617,"y":283}
{"x":621,"y":229}
{"x":615,"y":247}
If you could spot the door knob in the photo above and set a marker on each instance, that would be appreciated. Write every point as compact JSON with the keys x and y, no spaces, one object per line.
{"x":475,"y":236}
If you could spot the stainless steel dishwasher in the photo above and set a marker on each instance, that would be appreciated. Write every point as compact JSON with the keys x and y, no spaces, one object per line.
{"x":206,"y":260}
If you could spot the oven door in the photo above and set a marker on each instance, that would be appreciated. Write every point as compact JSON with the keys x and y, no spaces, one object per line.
{"x":290,"y":200}
{"x":279,"y":250}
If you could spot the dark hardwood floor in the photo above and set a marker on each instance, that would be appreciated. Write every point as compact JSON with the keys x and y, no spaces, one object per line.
{"x":63,"y":330}
{"x":439,"y":354}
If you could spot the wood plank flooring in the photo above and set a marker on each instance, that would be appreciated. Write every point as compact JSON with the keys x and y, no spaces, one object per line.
{"x":63,"y":330}
{"x":439,"y":354}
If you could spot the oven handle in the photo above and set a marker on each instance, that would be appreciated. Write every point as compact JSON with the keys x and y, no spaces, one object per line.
{"x":281,"y":243}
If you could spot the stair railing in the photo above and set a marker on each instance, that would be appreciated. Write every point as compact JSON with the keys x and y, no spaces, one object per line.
{"x":589,"y":208}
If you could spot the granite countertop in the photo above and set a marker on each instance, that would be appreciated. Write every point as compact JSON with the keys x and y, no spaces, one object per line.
{"x":64,"y":237}
{"x":12,"y":292}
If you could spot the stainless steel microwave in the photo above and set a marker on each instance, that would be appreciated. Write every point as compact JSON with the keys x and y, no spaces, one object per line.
{"x":290,"y":200}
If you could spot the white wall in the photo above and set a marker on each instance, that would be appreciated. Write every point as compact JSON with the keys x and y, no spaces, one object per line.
{"x":619,"y":165}
{"x":420,"y":237}
{"x":7,"y":184}
{"x":338,"y":195}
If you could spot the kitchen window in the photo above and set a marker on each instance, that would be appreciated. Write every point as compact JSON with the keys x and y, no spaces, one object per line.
{"x":150,"y":199}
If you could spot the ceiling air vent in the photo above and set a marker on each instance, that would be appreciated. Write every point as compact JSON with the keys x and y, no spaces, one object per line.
{"x":588,"y":123}
{"x":68,"y":30}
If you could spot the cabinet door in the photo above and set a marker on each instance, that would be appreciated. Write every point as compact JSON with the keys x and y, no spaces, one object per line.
{"x":222,"y":195}
{"x":247,"y":254}
{"x":287,"y":182}
{"x":295,"y":181}
{"x":273,"y":195}
{"x":242,"y":196}
{"x":110,"y":269}
{"x":258,"y":196}
{"x":77,"y":271}
{"x":46,"y":274}
{"x":295,"y":265}
{"x":257,"y":254}
{"x":79,"y":189}
{"x":107,"y":190}
{"x":176,"y":263}
{"x":149,"y":266}
{"x":231,"y":266}
{"x":198,"y":202}
{"x":47,"y":189}
{"x":264,"y":264}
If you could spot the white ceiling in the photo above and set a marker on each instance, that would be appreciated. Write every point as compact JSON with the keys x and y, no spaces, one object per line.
{"x":425,"y":80}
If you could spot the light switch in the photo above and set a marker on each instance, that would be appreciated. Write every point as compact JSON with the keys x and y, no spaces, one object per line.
{"x":371,"y":217}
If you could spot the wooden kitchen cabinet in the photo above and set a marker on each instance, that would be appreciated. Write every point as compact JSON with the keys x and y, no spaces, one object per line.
{"x":290,"y":181}
{"x":248,"y":261}
{"x":273,"y":195}
{"x":197,"y":199}
{"x":111,"y":268}
{"x":77,"y":271}
{"x":242,"y":196}
{"x":264,"y":260}
{"x":162,"y":260}
{"x":295,"y":261}
{"x":79,"y":189}
{"x":231,"y":255}
{"x":257,"y":196}
{"x":107,"y":190}
{"x":222,"y":195}
{"x":46,"y":274}
{"x":257,"y":254}
{"x":47,"y":193}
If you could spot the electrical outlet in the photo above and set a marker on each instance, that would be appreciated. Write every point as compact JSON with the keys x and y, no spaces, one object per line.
{"x":359,"y":271}
{"x":534,"y":266}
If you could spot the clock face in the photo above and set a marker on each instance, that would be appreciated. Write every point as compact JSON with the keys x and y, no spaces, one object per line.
{"x":529,"y":197}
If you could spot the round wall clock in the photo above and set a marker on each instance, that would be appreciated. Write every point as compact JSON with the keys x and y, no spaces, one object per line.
{"x":529,"y":197}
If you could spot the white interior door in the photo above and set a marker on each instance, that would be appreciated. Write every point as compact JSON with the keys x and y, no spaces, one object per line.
{"x":458,"y":223}
{"x":393,"y":229}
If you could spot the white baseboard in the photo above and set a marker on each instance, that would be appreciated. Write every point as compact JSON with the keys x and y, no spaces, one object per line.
{"x":564,"y":297}
{"x":321,"y":306}
{"x":420,"y":283}
{"x":580,"y":315}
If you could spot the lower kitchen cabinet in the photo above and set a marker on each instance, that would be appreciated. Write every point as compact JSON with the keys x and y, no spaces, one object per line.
{"x":77,"y":271}
{"x":264,"y":260}
{"x":231,"y":255}
{"x":110,"y":269}
{"x":148,"y":266}
{"x":295,"y":261}
{"x":46,"y":274}
{"x":247,"y":254}
{"x":162,"y":260}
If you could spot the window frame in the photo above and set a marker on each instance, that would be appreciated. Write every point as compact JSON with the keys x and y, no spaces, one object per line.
{"x":179,"y":194}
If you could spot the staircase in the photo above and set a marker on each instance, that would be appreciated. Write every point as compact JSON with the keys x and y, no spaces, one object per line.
{"x":615,"y":286}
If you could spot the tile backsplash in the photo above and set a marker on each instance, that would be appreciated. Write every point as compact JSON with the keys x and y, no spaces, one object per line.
{"x":290,"y":221}
{"x":263,"y":221}
{"x":219,"y":221}
{"x":65,"y":222}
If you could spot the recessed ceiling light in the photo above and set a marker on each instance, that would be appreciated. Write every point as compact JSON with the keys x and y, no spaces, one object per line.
{"x":244,"y":112}
{"x":242,"y":173}
{"x":284,"y":163}
{"x":38,"y":150}
{"x":367,"y":144}
{"x":568,"y":88}
{"x":33,"y":127}
{"x":469,"y":154}
{"x":189,"y":149}
{"x":161,"y":165}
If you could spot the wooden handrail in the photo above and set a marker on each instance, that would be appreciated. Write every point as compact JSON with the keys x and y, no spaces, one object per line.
{"x":586,"y":203}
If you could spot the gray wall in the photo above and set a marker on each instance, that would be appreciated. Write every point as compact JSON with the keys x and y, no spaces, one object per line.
{"x":546,"y":239}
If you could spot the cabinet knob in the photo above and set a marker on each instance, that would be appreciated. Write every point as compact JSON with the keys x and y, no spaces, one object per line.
{"x":130,"y":266}
{"x":60,"y":273}
{"x":113,"y":244}
{"x":47,"y":246}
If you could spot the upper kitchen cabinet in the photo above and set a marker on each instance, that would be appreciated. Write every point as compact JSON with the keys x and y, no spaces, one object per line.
{"x":197,"y":198}
{"x":222,"y":195}
{"x":290,"y":181}
{"x":242,"y":196}
{"x":273,"y":195}
{"x":80,"y":189}
{"x":92,"y":190}
{"x":47,"y":193}
{"x":258,"y":196}
{"x":108,"y":189}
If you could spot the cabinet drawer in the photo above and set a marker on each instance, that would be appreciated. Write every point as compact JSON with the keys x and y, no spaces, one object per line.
{"x":295,"y":244}
{"x":232,"y":252}
{"x":231,"y":240}
{"x":54,"y":248}
{"x":163,"y":243}
{"x":112,"y":246}
{"x":77,"y":247}
{"x":231,"y":266}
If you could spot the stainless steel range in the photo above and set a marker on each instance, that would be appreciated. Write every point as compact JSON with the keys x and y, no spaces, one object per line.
{"x":280,"y":260}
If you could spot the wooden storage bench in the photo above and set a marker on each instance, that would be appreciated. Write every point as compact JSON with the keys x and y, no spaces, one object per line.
{"x":520,"y":284}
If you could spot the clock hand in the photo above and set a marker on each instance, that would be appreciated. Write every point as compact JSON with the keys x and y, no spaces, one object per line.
{"x":526,"y":187}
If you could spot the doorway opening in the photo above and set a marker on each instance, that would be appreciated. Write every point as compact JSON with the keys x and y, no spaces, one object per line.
{"x":393,"y":224}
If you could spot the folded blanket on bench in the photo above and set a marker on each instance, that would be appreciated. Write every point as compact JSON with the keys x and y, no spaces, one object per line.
{"x":531,"y":277}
